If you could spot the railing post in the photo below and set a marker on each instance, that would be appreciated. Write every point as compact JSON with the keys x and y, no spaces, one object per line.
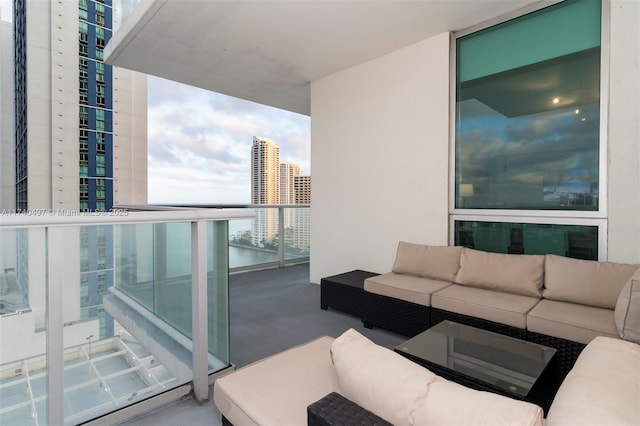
{"x":281,"y":236}
{"x":199,"y":333}
{"x":55,"y":319}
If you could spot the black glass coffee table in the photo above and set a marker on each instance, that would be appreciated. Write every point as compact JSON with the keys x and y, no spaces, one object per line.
{"x":487,"y":361}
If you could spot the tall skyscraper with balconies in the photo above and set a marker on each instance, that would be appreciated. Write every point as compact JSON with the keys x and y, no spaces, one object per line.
{"x":80,"y":142}
{"x":288,"y":172}
{"x":265,"y":172}
{"x":265,"y":188}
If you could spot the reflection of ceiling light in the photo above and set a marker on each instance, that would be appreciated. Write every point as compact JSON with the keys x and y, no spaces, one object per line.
{"x":577,"y":111}
{"x":583,"y":119}
{"x":556,"y":100}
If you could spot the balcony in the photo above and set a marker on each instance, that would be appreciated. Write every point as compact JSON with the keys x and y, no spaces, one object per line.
{"x":102,"y":310}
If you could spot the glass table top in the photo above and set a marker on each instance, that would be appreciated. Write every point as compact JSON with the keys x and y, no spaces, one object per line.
{"x":502,"y":361}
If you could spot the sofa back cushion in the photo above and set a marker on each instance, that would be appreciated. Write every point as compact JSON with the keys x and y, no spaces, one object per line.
{"x":437,"y":262}
{"x":587,"y":282}
{"x":452,"y":404}
{"x":510,"y":273}
{"x":379,"y":379}
{"x":627,"y":311}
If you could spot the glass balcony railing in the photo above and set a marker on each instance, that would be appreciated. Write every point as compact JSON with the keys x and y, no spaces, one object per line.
{"x":277,"y":235}
{"x":98,"y":312}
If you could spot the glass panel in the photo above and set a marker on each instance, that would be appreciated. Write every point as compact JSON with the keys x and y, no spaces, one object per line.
{"x":154,"y":269}
{"x":23,"y":327}
{"x":577,"y":241}
{"x":242,"y":249}
{"x":218,"y":294}
{"x":297,"y":232}
{"x":172,"y":274}
{"x":527,"y":128}
{"x":134,"y":262}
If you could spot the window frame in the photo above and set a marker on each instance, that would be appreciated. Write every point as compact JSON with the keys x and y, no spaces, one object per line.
{"x":561,"y":217}
{"x":601,"y":224}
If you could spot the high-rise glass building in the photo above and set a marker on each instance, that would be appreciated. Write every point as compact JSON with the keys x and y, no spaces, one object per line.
{"x":80,"y":124}
{"x":7,"y":148}
{"x":80,"y":143}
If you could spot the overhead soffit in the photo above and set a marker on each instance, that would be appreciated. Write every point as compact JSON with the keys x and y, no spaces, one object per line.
{"x":269,"y":51}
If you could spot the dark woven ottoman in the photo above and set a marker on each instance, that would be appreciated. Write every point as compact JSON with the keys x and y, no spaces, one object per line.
{"x":336,"y":410}
{"x":344,"y":292}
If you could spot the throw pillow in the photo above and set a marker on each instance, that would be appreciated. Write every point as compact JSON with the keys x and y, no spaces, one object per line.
{"x":587,"y":282}
{"x":509,"y":273}
{"x":437,"y":262}
{"x":627,"y":311}
{"x":452,"y":404}
{"x":379,"y":379}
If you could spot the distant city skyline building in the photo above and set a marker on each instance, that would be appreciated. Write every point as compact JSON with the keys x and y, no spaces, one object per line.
{"x":265,"y":171}
{"x":272,"y":183}
{"x":288,"y":172}
{"x":265,"y":189}
{"x":302,"y":228}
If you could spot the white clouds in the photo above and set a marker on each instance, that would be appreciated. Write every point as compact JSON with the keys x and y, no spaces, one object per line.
{"x":199,"y":143}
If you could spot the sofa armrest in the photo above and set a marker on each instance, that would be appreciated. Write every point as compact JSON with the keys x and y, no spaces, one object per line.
{"x":336,"y":410}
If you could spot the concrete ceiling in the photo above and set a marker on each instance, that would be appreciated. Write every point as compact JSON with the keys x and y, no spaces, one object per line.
{"x":269,"y":51}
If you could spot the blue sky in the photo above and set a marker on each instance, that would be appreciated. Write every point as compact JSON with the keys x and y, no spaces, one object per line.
{"x":199,"y":143}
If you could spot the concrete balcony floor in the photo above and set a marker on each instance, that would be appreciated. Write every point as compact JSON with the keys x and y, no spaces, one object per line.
{"x":271,"y":310}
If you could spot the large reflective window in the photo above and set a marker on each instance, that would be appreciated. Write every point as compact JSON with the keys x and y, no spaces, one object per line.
{"x":577,"y":241}
{"x":528,"y":112}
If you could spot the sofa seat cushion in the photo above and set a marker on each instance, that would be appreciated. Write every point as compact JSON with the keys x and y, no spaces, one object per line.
{"x":405,"y":287}
{"x":496,"y":306}
{"x":437,"y":262}
{"x":570,"y":321}
{"x":378,"y":379}
{"x":601,"y":388}
{"x":277,"y":390}
{"x":587,"y":282}
{"x":452,"y":404}
{"x":512,"y":273}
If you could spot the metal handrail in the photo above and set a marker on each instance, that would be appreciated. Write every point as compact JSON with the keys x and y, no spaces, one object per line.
{"x":63,"y":217}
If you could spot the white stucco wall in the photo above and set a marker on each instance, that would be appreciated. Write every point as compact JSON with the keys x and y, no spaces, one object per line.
{"x":624,"y":133}
{"x":380,"y":153}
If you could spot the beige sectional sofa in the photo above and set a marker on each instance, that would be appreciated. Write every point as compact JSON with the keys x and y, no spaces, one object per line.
{"x":553,"y":295}
{"x":277,"y":390}
{"x":561,"y":302}
{"x":602,"y":388}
